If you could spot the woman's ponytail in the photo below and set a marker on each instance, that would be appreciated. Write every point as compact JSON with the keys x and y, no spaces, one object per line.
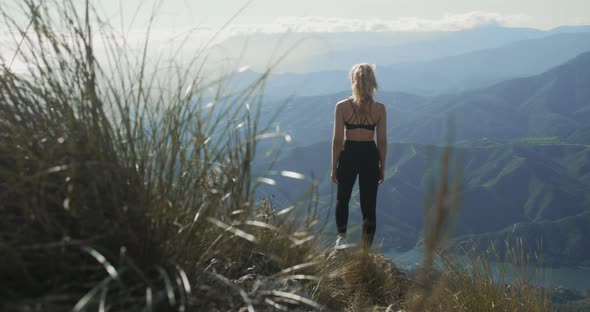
{"x":364,"y":84}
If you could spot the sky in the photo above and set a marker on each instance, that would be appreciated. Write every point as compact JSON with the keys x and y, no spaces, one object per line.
{"x":254,"y":16}
{"x":175,"y":19}
{"x":541,"y":14}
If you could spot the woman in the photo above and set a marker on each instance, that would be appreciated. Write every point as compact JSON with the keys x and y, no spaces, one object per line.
{"x":357,"y":120}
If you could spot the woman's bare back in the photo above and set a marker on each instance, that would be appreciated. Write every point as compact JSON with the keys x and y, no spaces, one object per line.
{"x":375,"y":114}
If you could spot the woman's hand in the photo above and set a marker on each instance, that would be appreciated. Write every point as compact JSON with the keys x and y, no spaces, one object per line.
{"x":381,"y":175}
{"x":334,"y":176}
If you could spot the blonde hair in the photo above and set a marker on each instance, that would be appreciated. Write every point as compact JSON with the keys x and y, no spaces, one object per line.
{"x":364,"y":84}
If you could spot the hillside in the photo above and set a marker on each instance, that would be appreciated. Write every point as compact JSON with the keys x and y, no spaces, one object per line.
{"x":503,"y":183}
{"x":561,"y":242}
{"x":555,"y":103}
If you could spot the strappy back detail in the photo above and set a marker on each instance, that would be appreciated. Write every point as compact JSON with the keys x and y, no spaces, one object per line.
{"x":362,"y":125}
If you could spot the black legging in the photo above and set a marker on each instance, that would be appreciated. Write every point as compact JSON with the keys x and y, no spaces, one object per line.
{"x":358,"y":158}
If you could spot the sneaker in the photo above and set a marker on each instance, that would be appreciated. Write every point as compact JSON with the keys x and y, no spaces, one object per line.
{"x":341,"y":243}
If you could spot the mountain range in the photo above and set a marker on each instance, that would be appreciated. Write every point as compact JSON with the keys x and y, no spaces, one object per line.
{"x":529,"y":183}
{"x":441,"y":72}
{"x":523,"y":146}
{"x":313,"y":52}
{"x":554,"y":103}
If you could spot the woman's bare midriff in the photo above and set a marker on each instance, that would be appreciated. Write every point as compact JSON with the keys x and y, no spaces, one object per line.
{"x":359,"y":135}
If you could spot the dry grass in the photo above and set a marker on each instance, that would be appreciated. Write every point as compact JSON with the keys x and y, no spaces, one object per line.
{"x":360,"y":281}
{"x":476,"y":283}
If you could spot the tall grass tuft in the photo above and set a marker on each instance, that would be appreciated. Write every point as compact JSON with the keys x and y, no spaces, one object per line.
{"x":360,"y":281}
{"x":484,"y":281}
{"x":124,"y":183}
{"x":439,"y":215}
{"x":454,"y":279}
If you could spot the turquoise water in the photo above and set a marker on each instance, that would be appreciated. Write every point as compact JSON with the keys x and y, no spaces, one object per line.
{"x":572,"y":277}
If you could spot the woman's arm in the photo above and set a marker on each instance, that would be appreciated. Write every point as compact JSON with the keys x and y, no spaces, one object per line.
{"x":382,"y":143}
{"x":337,"y":140}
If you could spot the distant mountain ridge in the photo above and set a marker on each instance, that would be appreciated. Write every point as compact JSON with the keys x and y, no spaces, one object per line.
{"x":555,"y":103}
{"x":441,"y":44}
{"x":312,"y":52}
{"x":309,"y":52}
{"x":458,"y":72}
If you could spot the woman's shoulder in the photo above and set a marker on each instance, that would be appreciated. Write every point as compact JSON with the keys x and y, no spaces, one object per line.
{"x":342,"y":102}
{"x":380,"y":106}
{"x":379,"y":112}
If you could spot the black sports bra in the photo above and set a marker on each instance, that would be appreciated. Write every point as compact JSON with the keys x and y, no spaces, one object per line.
{"x":350,"y":126}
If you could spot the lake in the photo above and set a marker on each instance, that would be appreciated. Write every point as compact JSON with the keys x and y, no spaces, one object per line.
{"x":572,"y":277}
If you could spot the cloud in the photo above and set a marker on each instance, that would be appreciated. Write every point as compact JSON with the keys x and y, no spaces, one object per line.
{"x":170,"y":37}
{"x":310,"y":24}
{"x":192,"y":39}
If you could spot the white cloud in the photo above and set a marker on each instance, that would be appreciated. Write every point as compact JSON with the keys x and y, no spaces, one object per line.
{"x":166,"y":38}
{"x":172,"y":36}
{"x":308,"y":24}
